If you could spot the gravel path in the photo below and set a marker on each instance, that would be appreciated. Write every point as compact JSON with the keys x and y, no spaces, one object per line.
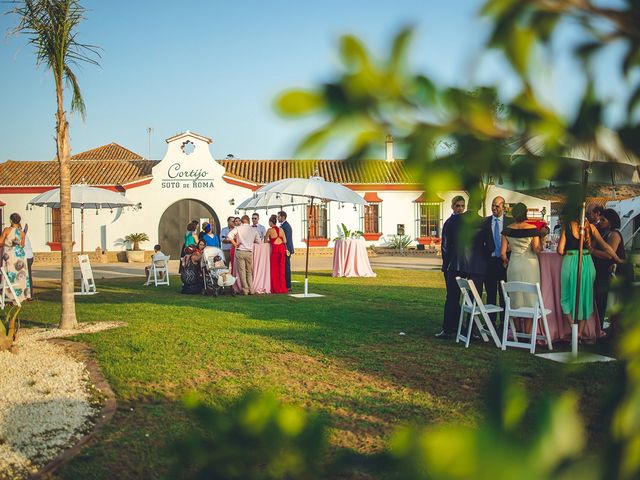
{"x":47,"y":401}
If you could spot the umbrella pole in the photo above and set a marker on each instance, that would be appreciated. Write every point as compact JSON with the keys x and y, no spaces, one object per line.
{"x":574,"y":325}
{"x":576,"y":311}
{"x":306,"y":266}
{"x":82,"y":231}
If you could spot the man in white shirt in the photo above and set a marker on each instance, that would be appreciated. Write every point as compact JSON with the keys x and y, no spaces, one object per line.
{"x":243,"y":238}
{"x":224,"y":239}
{"x":262,"y":231}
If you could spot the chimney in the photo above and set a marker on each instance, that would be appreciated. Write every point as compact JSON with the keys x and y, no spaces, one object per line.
{"x":389,"y":145}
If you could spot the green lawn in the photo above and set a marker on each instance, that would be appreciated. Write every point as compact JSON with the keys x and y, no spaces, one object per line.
{"x":341,"y":355}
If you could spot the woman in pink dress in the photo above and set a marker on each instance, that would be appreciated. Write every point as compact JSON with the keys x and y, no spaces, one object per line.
{"x":275,"y":236}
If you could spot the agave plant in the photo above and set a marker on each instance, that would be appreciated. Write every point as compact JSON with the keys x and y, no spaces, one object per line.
{"x":136,"y":238}
{"x":9,"y":325}
{"x":400,"y":242}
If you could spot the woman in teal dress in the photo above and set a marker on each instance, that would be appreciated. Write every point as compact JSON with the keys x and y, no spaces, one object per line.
{"x":568,"y":247}
{"x":14,"y":260}
{"x":191,"y":238}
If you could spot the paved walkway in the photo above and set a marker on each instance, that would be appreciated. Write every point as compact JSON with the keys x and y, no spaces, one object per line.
{"x":116,"y":270}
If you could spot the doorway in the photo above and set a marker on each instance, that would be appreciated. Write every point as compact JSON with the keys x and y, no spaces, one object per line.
{"x":174,"y":220}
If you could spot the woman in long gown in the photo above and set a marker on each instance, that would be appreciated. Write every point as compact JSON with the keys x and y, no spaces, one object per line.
{"x":275,"y":236}
{"x":568,"y":246}
{"x":522,"y":266}
{"x":608,"y":226}
{"x":13,"y":258}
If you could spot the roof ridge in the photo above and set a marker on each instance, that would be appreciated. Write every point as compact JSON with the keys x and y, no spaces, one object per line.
{"x":98,"y":153}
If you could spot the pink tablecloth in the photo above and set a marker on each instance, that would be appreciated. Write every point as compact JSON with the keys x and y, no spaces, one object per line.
{"x":550,"y":267}
{"x":350,"y":259}
{"x":261,"y":269}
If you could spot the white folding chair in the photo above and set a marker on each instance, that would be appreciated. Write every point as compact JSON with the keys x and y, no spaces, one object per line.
{"x":537,"y":313}
{"x":8,"y":293}
{"x":159,"y":270}
{"x":478,"y":313}
{"x":87,"y":284}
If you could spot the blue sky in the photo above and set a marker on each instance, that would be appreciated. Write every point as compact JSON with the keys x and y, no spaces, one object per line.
{"x":214,"y":67}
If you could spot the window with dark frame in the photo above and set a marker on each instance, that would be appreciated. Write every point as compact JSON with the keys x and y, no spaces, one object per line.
{"x":428,"y":219}
{"x":54,"y":232}
{"x":318,"y":217}
{"x":372,"y":217}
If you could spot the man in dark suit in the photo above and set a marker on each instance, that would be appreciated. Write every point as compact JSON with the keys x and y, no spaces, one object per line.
{"x":286,"y":228}
{"x":450,"y":248}
{"x":474,"y":259}
{"x":492,"y":227}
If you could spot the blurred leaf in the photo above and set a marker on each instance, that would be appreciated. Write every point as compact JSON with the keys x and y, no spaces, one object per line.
{"x":562,"y":435}
{"x":514,"y":405}
{"x":353,"y":52}
{"x":458,"y":459}
{"x":299,"y":102}
{"x":589,"y":116}
{"x":255,"y":438}
{"x":519,"y":48}
{"x":336,"y":98}
{"x":399,"y":49}
{"x":498,"y":8}
{"x":587,"y":49}
{"x":314,"y":142}
{"x":544,"y":23}
{"x":426,"y":90}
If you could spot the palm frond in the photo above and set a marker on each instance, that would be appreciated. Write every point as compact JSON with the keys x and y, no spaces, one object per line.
{"x":51,"y":29}
{"x":77,"y":102}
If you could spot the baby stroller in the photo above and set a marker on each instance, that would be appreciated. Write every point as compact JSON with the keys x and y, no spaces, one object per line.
{"x":217,"y":277}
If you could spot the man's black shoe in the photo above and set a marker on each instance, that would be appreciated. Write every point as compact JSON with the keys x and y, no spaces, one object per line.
{"x":444,"y":335}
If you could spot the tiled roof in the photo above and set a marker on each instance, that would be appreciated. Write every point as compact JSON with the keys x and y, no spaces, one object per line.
{"x":338,"y":171}
{"x":113,"y":164}
{"x":93,"y":172}
{"x":113,"y":151}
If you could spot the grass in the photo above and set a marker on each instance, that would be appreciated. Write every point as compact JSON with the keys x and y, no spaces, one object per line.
{"x":341,"y":355}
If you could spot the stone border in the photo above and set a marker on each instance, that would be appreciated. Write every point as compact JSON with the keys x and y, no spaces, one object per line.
{"x":85,"y":354}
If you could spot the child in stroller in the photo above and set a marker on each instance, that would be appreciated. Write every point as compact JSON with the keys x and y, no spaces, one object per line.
{"x":217,"y":276}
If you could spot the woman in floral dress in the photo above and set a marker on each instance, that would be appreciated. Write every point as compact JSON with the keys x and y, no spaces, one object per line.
{"x":14,"y":260}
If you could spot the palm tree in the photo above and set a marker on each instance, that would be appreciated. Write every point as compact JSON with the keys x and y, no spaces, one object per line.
{"x":51,"y":27}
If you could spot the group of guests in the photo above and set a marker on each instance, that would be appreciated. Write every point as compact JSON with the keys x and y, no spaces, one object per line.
{"x":500,"y":247}
{"x":17,"y":257}
{"x":236,"y":241}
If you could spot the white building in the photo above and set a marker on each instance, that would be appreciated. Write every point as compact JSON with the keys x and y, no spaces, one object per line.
{"x":188,"y":183}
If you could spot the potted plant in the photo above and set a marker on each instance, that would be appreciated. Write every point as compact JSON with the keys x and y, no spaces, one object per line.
{"x":344,"y":233}
{"x":136,"y":255}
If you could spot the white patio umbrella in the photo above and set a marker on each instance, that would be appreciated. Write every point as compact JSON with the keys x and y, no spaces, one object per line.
{"x":267,"y":201}
{"x":83,"y":196}
{"x":312,"y":188}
